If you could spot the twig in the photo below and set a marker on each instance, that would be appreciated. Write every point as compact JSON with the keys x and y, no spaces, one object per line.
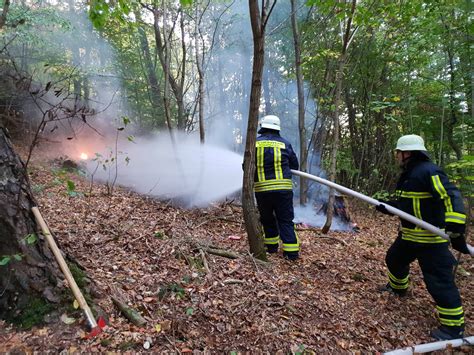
{"x":233,"y":281}
{"x":220,"y":252}
{"x":172,"y":344}
{"x":204,"y":261}
{"x":332,"y":238}
{"x":214,"y":218}
{"x":129,"y":313}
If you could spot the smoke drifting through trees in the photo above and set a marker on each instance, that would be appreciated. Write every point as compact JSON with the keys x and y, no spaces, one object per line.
{"x":97,"y":87}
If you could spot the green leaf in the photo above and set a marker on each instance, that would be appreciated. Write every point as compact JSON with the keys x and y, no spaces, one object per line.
{"x":186,"y":2}
{"x":70,"y":186}
{"x":190,"y":311}
{"x":17,"y":257}
{"x":31,"y":239}
{"x":125,"y":120}
{"x":5,"y":260}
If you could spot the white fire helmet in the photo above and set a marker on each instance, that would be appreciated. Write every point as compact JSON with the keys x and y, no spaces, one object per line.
{"x":270,"y":122}
{"x":410,"y":142}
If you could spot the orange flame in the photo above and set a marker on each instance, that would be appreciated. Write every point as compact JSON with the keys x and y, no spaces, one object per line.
{"x":84,"y":156}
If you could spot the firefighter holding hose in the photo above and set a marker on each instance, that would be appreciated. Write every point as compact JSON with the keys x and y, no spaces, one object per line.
{"x":424,"y":191}
{"x":273,"y":187}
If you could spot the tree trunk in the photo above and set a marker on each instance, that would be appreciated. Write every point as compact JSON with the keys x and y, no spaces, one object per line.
{"x":152,"y":79}
{"x":27,"y":271}
{"x":452,"y":107}
{"x":301,"y":110}
{"x":252,"y":225}
{"x":339,"y":76}
{"x":163,"y":48}
{"x":200,"y":76}
{"x":3,"y":16}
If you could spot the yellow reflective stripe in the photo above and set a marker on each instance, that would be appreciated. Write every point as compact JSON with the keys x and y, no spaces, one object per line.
{"x":291,"y":247}
{"x":452,"y":322}
{"x":424,"y":240}
{"x":413,"y":194}
{"x":450,"y":311}
{"x":277,"y":163}
{"x":400,"y":281}
{"x":270,"y":144}
{"x":417,"y":232}
{"x":397,"y":286}
{"x":442,"y":193}
{"x":421,"y":236}
{"x":455,"y":217}
{"x":269,"y":185}
{"x":273,"y":240}
{"x":272,"y":188}
{"x":260,"y":164}
{"x":416,"y":207}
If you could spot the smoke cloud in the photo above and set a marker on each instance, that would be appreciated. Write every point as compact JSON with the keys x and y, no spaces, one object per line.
{"x":190,"y":173}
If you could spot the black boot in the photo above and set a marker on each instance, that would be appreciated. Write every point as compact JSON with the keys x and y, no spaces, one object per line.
{"x":389,"y":289}
{"x":271,"y":248}
{"x":291,"y":255}
{"x":447,"y":333}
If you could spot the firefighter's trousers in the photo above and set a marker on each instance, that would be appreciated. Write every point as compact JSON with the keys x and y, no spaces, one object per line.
{"x":436,"y":263}
{"x":276,"y":215}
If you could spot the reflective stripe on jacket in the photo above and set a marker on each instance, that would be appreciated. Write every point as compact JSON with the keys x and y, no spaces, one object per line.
{"x":425,"y":192}
{"x":274,"y":160}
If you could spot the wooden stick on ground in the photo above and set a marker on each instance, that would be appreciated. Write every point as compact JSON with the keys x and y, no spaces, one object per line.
{"x":129,"y":313}
{"x":64,"y":268}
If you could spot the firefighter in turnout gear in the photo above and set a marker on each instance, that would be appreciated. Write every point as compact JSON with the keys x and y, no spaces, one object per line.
{"x":424,"y":191}
{"x":274,"y":188}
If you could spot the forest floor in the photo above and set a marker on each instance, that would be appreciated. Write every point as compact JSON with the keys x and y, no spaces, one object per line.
{"x":151,"y":254}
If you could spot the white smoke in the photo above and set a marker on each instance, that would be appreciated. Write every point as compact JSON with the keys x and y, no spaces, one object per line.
{"x":191,"y":173}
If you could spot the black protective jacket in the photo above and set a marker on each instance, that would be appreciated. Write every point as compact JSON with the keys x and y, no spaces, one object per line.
{"x":425,"y":192}
{"x":274,"y":160}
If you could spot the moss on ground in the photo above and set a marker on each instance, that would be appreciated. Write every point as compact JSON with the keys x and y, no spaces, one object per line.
{"x":31,"y":315}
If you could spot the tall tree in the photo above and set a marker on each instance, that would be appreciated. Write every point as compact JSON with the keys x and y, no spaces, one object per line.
{"x":346,"y":39}
{"x":258,"y":22}
{"x":301,"y":104}
{"x":27,"y":268}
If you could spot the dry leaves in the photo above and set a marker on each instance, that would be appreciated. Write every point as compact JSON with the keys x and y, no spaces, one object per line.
{"x":326,"y":302}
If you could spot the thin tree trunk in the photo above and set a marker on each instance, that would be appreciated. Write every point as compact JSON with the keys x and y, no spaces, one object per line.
{"x":252,"y":225}
{"x":335,"y":147}
{"x":3,"y":17}
{"x":164,"y":55}
{"x":452,"y":106}
{"x":200,"y":77}
{"x":301,"y":110}
{"x":150,"y":72}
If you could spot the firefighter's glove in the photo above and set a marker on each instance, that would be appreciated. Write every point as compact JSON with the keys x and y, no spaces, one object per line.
{"x":381,"y":208}
{"x":458,"y":242}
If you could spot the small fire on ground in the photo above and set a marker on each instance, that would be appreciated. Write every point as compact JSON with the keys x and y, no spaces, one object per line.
{"x":84,"y":156}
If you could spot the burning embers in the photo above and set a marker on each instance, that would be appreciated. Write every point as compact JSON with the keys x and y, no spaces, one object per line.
{"x":84,"y":156}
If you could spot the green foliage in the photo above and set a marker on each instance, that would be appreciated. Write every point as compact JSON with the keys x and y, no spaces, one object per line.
{"x":159,"y":235}
{"x":71,"y":188}
{"x":31,"y":239}
{"x":5,"y":260}
{"x":383,"y":196}
{"x":32,"y":314}
{"x":78,"y":274}
{"x":462,"y":172}
{"x":169,"y":289}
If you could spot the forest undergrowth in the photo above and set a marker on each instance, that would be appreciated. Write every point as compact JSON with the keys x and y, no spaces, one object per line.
{"x":159,"y":259}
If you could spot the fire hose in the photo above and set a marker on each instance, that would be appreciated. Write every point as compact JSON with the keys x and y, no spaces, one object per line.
{"x":408,"y":217}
